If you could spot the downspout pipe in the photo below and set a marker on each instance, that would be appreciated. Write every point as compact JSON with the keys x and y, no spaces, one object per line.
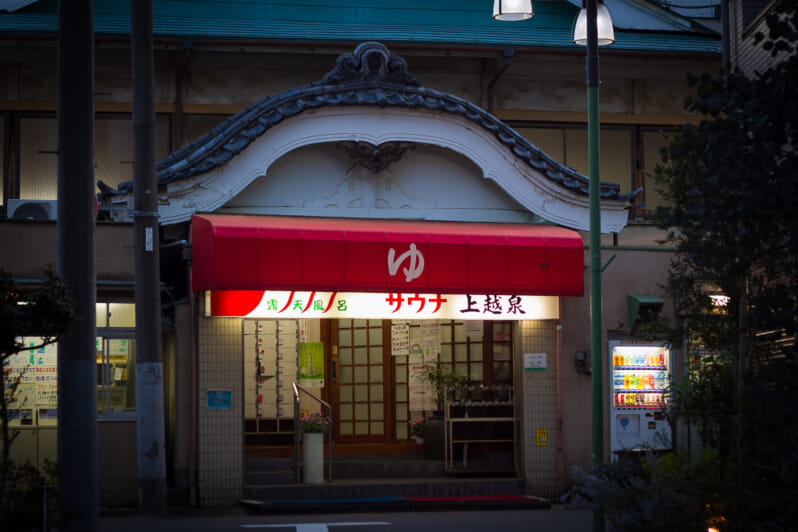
{"x":508,"y":53}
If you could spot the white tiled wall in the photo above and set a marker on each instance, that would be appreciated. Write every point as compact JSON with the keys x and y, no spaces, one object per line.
{"x":221,"y":432}
{"x":539,"y":409}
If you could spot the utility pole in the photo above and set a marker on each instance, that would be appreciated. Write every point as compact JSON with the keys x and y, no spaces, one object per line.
{"x":150,"y":443}
{"x":77,"y":352}
{"x":596,"y":327}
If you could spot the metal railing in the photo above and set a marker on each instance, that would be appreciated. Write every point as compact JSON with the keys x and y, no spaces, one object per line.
{"x":298,"y":429}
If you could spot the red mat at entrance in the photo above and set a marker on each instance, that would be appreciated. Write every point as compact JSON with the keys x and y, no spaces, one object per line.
{"x":477,"y":498}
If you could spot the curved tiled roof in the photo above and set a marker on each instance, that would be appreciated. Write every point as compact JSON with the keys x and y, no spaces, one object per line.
{"x":370,"y":76}
{"x":641,"y":26}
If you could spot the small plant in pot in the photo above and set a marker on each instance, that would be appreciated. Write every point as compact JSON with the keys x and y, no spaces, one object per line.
{"x":444,"y":383}
{"x":315,"y":422}
{"x":417,"y":428}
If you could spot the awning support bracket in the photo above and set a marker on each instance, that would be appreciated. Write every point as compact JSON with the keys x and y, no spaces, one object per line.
{"x":608,"y":263}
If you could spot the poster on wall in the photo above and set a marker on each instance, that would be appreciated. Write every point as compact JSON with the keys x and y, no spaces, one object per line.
{"x":474,"y":329}
{"x":47,"y":394}
{"x":219,"y":400}
{"x":535,"y":361}
{"x":311,"y":364}
{"x":431,"y":340}
{"x":400,"y":338}
{"x":304,"y":326}
{"x":35,"y":372}
{"x":420,"y":398}
{"x":420,"y":394}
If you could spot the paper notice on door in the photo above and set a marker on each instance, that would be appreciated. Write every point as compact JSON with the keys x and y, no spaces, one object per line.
{"x":431,"y":340}
{"x":400,"y":338}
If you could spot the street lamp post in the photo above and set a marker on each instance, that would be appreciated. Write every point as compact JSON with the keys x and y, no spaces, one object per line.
{"x":593,"y":28}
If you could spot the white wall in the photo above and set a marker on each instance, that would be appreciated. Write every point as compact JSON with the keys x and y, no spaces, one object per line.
{"x":428,"y":183}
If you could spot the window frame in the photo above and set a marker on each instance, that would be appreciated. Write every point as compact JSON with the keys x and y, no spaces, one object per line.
{"x":106,"y":333}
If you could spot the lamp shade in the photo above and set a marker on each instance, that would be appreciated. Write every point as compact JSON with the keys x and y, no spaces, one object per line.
{"x":606,"y":35}
{"x":512,"y":10}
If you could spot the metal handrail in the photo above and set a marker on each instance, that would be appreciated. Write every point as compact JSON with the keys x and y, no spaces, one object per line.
{"x":297,"y":425}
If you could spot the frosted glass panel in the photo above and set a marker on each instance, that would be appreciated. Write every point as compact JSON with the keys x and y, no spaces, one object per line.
{"x":446,"y":333}
{"x":346,"y":412}
{"x":401,"y":393}
{"x":461,"y":352}
{"x":375,"y":374}
{"x":344,"y":324}
{"x":101,"y":313}
{"x":361,"y":355}
{"x":376,"y":411}
{"x":113,"y":153}
{"x":361,"y":412}
{"x":361,"y":337}
{"x":361,"y":375}
{"x":345,"y":393}
{"x":345,"y":375}
{"x":376,"y":392}
{"x":460,"y":332}
{"x":343,"y":338}
{"x":361,"y":393}
{"x":401,"y":412}
{"x":401,"y":431}
{"x":446,"y":353}
{"x":362,"y":428}
{"x":476,"y":351}
{"x":345,"y":356}
{"x":401,"y":374}
{"x":376,"y":334}
{"x":375,"y":323}
{"x":345,"y":428}
{"x":38,"y":161}
{"x":359,"y":323}
{"x":122,"y":314}
{"x":377,"y":427}
{"x":476,"y":372}
{"x":375,"y":355}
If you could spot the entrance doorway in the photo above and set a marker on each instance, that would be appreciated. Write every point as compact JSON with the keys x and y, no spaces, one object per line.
{"x":370,"y":389}
{"x":360,"y":374}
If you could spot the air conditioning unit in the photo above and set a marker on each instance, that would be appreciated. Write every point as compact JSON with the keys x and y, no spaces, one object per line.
{"x":27,"y":209}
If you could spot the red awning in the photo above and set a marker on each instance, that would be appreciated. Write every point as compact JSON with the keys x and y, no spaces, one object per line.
{"x":296,"y":253}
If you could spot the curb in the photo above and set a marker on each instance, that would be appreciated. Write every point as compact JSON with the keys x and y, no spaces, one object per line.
{"x":396,"y":504}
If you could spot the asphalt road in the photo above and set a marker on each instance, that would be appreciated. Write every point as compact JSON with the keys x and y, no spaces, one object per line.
{"x":555,"y":520}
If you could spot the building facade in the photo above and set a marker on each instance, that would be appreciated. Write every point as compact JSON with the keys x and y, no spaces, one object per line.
{"x":292,"y":168}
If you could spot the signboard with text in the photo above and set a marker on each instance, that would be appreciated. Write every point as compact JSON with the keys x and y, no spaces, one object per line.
{"x":361,"y":305}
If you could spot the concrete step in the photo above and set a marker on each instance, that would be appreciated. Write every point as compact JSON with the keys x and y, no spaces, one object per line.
{"x":269,"y":464}
{"x":355,"y":467}
{"x":359,"y":488}
{"x":269,"y":471}
{"x":386,"y":466}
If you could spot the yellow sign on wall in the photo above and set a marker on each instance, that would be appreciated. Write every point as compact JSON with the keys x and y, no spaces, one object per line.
{"x":541,"y":437}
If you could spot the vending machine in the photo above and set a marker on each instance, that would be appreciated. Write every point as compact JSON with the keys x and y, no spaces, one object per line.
{"x":640,"y":374}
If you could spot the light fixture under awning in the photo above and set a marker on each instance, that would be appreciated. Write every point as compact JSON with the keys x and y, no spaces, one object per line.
{"x":232,"y":252}
{"x":643,"y":307}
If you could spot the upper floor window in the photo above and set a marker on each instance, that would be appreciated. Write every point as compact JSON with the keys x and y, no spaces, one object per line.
{"x":113,"y":152}
{"x":629,"y":155}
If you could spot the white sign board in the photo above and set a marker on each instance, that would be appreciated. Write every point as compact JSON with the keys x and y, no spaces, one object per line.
{"x":534,"y":361}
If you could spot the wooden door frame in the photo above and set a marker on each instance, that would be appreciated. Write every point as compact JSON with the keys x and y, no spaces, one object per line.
{"x":329,"y":334}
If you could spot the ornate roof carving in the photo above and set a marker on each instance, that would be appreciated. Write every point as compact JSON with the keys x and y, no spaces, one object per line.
{"x":369,"y":76}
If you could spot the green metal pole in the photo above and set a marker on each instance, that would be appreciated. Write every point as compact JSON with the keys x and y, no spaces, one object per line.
{"x":596,"y":348}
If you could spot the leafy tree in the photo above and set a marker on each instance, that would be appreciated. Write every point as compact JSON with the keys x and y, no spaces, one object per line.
{"x":732,"y":183}
{"x":43,"y":312}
